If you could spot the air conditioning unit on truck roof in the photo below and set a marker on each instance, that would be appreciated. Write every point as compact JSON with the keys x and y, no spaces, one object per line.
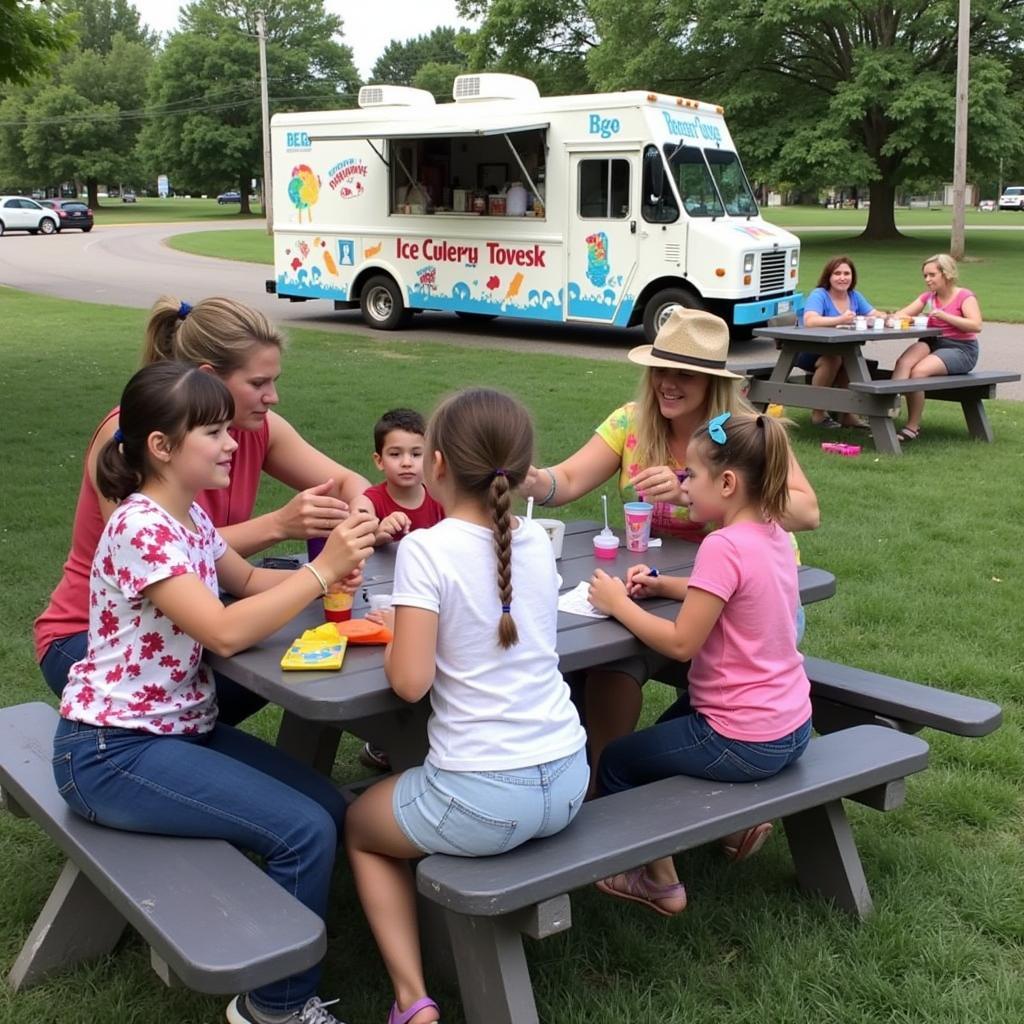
{"x":394,"y":96}
{"x":473,"y":88}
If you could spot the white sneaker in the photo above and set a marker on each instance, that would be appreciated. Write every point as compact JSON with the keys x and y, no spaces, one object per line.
{"x":314,"y":1012}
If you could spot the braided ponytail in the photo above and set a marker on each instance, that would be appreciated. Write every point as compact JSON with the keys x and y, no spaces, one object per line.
{"x":500,"y":500}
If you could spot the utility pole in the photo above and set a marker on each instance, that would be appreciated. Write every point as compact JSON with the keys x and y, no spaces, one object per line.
{"x":268,"y":190}
{"x":963,"y":60}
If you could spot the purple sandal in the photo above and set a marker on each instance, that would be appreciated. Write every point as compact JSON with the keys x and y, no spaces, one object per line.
{"x":397,"y":1016}
{"x":637,"y":886}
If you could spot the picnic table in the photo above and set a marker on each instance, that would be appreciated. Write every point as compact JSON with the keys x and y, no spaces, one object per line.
{"x":319,"y":705}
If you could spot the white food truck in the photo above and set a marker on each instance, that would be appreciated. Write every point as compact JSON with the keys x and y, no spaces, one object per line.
{"x":606,"y":209}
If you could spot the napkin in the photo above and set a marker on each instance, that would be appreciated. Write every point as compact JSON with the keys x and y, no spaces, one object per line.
{"x":575,"y":602}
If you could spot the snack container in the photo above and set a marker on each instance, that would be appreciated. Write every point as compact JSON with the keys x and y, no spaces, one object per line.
{"x":606,"y":547}
{"x":555,"y":529}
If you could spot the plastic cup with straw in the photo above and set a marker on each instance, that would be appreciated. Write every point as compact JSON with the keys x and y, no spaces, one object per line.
{"x":529,"y":507}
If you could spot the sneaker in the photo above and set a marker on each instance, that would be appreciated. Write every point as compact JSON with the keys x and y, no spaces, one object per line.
{"x":314,"y":1012}
{"x":374,"y":757}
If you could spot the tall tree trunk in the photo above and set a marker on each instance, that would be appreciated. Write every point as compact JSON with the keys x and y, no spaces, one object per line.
{"x":881,"y":223}
{"x":243,"y":191}
{"x":92,"y":188}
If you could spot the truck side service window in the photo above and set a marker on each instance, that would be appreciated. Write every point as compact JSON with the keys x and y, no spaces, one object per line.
{"x":696,"y":186}
{"x":604,"y":189}
{"x":658,"y":202}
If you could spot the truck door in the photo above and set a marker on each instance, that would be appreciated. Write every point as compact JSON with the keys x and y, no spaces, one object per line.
{"x":601,"y":236}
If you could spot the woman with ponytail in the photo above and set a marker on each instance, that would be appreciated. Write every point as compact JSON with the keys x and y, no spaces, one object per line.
{"x":747,"y":713}
{"x":241,"y":347}
{"x":475,"y":617}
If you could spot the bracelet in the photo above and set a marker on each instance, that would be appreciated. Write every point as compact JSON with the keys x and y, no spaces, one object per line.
{"x":554,"y":486}
{"x":319,"y":577}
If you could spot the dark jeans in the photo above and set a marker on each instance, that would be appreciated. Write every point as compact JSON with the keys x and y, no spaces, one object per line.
{"x":683,"y":743}
{"x":226,"y":785}
{"x":234,"y":702}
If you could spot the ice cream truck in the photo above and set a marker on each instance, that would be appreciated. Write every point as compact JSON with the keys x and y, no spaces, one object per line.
{"x":605,"y":209}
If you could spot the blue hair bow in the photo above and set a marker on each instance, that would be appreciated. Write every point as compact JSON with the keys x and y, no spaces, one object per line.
{"x":716,"y":429}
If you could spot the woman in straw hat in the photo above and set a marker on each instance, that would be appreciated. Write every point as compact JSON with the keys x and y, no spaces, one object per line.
{"x":685,"y":383}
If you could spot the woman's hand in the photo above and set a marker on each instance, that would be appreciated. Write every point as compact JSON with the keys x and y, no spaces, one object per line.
{"x":348,"y":584}
{"x":314,"y":512}
{"x":846,"y":317}
{"x":607,"y":593}
{"x":640,"y":583}
{"x":658,"y":483}
{"x":347,"y":548}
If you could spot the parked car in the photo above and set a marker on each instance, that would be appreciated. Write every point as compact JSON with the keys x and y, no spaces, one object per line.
{"x":17,"y":213}
{"x":127,"y":197}
{"x":73,"y":213}
{"x":987,"y":206}
{"x":229,"y":197}
{"x":1012,"y":198}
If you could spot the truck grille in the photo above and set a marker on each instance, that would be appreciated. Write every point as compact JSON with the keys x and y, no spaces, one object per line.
{"x":773,"y":271}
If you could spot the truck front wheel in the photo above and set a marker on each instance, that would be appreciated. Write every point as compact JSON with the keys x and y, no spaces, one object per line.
{"x":381,"y":304}
{"x":659,"y":308}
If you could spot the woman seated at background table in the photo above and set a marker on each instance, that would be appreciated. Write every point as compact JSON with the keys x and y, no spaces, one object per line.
{"x":243,"y":349}
{"x":833,"y":303}
{"x":643,"y":444}
{"x":954,"y":310}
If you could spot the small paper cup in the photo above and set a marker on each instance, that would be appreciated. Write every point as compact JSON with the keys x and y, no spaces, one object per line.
{"x":920,"y":321}
{"x":555,"y":529}
{"x":606,"y":547}
{"x":380,"y":602}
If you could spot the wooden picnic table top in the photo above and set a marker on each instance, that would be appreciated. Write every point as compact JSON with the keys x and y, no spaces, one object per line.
{"x":360,"y":688}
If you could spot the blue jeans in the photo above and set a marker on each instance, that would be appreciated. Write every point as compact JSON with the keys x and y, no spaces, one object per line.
{"x":682,"y":742}
{"x":234,"y":702}
{"x":225,"y":784}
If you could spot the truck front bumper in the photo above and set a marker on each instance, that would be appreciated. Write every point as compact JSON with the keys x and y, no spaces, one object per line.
{"x":760,"y":312}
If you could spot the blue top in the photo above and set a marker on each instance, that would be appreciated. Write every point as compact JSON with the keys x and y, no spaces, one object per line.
{"x":820,"y":302}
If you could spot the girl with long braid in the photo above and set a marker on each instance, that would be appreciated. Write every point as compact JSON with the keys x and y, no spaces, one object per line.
{"x":475,"y":608}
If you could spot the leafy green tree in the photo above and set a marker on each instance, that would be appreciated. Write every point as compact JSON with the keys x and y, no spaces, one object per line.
{"x":97,"y":22}
{"x":438,"y":79}
{"x":206,"y":128}
{"x":31,"y":35}
{"x":401,"y":62}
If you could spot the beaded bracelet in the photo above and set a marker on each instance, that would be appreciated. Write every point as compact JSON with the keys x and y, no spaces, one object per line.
{"x":319,"y":576}
{"x":554,"y":486}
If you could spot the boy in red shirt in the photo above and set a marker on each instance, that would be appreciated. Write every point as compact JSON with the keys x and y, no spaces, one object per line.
{"x":401,"y":501}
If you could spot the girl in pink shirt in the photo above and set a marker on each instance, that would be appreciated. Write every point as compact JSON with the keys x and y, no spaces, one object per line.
{"x":747,"y":714}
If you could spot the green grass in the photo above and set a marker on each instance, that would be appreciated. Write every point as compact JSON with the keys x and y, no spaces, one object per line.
{"x":248,"y":246}
{"x":938,"y":217}
{"x":927,"y":553}
{"x":159,"y":211}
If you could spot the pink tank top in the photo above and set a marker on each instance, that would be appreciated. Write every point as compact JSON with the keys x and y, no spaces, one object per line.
{"x":68,"y":610}
{"x":955,"y":306}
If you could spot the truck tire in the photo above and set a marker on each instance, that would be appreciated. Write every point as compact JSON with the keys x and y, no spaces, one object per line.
{"x":381,"y":304}
{"x":659,"y":306}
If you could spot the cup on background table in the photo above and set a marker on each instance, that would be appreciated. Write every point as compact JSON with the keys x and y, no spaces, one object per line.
{"x":380,"y":602}
{"x":555,"y":529}
{"x":638,"y":524}
{"x":921,"y":321}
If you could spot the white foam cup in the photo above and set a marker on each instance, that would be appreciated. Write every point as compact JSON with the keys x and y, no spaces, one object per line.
{"x":555,"y":529}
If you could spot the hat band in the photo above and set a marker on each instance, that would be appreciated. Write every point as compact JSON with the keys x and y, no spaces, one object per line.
{"x":692,"y":360}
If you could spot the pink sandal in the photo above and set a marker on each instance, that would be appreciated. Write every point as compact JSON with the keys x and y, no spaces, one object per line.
{"x":397,"y":1016}
{"x":637,"y":886}
{"x":750,"y":842}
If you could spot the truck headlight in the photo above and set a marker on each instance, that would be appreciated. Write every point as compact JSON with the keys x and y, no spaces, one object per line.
{"x":794,"y":257}
{"x":748,"y":263}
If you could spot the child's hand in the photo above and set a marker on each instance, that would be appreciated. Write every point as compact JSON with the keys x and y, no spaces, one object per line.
{"x":607,"y":593}
{"x":383,"y":617}
{"x":313,"y":512}
{"x":394,"y":526}
{"x":347,"y":547}
{"x":642,"y":581}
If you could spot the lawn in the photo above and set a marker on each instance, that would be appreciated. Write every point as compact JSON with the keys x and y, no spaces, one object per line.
{"x":148,"y":210}
{"x":927,"y":553}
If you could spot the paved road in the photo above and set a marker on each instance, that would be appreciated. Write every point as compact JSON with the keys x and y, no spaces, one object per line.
{"x":130,"y":265}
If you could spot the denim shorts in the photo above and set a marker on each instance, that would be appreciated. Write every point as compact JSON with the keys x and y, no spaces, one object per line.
{"x":956,"y":356}
{"x":477,"y":814}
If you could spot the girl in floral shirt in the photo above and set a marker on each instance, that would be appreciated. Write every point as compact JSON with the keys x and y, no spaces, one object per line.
{"x":138,"y":746}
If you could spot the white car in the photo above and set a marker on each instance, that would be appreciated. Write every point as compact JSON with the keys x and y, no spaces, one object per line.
{"x":17,"y":213}
{"x":1012,"y":198}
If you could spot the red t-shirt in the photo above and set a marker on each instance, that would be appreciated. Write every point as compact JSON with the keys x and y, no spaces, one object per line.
{"x":68,"y":610}
{"x":429,"y":513}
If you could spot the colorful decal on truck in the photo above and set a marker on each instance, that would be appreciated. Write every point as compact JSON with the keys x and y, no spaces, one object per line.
{"x":313,"y":270}
{"x":347,"y":178}
{"x":304,"y":190}
{"x":597,"y":258}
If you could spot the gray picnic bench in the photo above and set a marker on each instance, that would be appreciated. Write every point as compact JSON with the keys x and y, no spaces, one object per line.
{"x":214,"y":922}
{"x":489,"y":903}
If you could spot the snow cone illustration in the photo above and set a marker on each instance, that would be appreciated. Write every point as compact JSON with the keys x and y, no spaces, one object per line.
{"x":304,"y":190}
{"x":597,"y":258}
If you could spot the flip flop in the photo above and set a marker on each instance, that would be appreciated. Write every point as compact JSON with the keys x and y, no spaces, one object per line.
{"x":636,"y":886}
{"x":828,"y":423}
{"x":908,"y":434}
{"x":397,"y":1016}
{"x":750,"y":842}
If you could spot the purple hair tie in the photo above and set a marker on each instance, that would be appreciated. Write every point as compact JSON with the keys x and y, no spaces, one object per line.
{"x":506,"y":608}
{"x":499,"y":472}
{"x":118,"y":436}
{"x":183,"y":310}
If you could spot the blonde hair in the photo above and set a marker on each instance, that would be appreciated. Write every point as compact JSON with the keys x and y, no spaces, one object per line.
{"x":653,"y":431}
{"x":948,"y":267}
{"x":486,"y":438}
{"x":216,"y":331}
{"x":756,"y":447}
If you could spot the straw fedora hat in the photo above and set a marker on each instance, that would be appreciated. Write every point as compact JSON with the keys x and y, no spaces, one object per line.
{"x":691,"y":340}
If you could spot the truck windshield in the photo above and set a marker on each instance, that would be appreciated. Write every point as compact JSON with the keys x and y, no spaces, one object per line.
{"x":710,"y":191}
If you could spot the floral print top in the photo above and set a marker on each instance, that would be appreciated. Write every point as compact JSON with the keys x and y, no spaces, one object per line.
{"x":140,"y":670}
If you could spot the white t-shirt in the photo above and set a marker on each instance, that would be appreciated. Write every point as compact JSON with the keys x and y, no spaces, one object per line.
{"x":493,"y":708}
{"x":140,"y":670}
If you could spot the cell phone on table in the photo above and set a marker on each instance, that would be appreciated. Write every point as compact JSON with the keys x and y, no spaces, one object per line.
{"x":281,"y":562}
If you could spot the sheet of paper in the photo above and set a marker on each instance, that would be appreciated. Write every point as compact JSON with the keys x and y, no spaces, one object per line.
{"x":575,"y":602}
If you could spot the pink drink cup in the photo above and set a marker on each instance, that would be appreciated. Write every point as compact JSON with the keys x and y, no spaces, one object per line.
{"x":638,"y":524}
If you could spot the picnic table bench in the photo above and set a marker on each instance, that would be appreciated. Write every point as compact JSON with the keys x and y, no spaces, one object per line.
{"x":490,"y":902}
{"x":213,"y":920}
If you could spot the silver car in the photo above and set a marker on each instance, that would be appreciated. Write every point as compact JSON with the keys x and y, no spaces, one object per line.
{"x":17,"y":213}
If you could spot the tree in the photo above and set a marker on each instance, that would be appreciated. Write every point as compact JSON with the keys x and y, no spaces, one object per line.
{"x":400,"y":62}
{"x":206,"y":130}
{"x":97,"y":22}
{"x":31,"y":35}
